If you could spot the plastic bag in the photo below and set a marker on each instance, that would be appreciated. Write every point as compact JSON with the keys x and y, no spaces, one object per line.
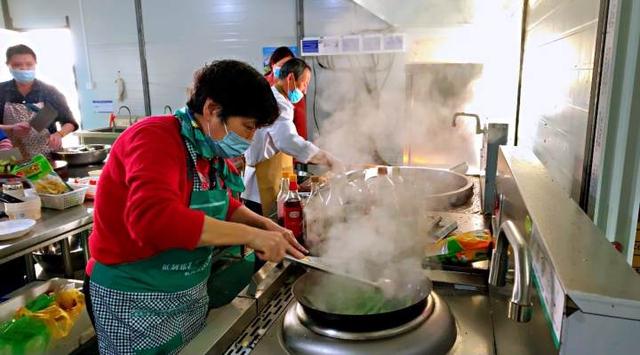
{"x":462,"y":249}
{"x":55,"y":318}
{"x":24,"y":336}
{"x":71,"y":301}
{"x":58,"y":311}
{"x":41,"y":302}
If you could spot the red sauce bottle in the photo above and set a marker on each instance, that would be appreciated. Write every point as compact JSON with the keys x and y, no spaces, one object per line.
{"x":293,"y":211}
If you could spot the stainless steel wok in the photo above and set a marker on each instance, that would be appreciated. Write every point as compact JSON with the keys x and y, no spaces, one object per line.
{"x":439,"y":187}
{"x":84,"y":154}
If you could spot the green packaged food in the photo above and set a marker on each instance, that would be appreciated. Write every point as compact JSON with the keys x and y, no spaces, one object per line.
{"x":40,"y":172}
{"x":35,"y":169}
{"x":463,"y":248}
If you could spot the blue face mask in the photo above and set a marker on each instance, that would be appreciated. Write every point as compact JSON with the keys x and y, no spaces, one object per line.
{"x":295,"y":95}
{"x":23,"y":76}
{"x":232,"y":145}
{"x":276,"y":72}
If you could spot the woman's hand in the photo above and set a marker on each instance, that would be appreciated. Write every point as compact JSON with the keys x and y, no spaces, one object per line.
{"x":20,"y":129}
{"x":271,"y":246}
{"x":55,"y":141}
{"x":288,"y":236}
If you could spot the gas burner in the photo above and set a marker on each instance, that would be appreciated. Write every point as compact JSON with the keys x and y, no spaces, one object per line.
{"x":433,"y":332}
{"x":369,"y":335}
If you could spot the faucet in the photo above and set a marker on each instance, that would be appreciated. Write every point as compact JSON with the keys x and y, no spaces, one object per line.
{"x":169,"y":109}
{"x":128,"y":110}
{"x":520,"y":306}
{"x":479,"y":129}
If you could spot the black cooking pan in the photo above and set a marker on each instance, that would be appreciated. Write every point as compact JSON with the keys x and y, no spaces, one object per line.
{"x":320,"y":295}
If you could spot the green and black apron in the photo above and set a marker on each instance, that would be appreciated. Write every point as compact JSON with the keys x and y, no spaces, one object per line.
{"x":157,"y":305}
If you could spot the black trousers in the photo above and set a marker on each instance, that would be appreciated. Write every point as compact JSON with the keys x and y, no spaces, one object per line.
{"x":87,"y":298}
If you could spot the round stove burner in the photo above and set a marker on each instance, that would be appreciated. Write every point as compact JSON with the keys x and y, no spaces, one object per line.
{"x":367,"y":335}
{"x":432,"y":332}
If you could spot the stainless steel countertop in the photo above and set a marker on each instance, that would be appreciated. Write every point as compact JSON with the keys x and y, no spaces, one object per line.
{"x":225,"y":324}
{"x":53,"y":226}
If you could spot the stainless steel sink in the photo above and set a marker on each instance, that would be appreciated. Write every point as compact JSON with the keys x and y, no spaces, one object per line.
{"x":103,"y":135}
{"x":109,"y":129}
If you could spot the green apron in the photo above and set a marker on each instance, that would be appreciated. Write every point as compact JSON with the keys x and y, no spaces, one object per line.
{"x":158,"y":304}
{"x":233,"y":267}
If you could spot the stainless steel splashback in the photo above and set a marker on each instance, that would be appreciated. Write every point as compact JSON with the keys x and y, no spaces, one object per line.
{"x":590,"y":295}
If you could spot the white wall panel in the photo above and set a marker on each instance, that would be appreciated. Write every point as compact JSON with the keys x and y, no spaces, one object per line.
{"x":556,"y":85}
{"x":182,"y":36}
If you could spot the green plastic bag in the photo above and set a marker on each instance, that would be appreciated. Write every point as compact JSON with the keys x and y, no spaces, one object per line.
{"x":24,"y":336}
{"x":41,"y":302}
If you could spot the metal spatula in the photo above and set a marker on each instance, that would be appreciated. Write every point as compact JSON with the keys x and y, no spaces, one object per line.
{"x":317,"y":263}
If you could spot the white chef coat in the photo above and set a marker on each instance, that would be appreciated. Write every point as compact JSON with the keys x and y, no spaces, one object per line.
{"x":281,"y":136}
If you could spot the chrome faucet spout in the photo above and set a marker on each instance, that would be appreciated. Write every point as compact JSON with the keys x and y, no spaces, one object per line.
{"x":479,"y":129}
{"x":129,"y":111}
{"x":520,"y":306}
{"x":167,"y":109}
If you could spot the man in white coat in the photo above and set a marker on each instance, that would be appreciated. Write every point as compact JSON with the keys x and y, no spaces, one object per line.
{"x":274,"y":147}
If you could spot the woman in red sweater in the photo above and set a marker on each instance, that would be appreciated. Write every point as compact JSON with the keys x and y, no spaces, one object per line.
{"x":163,"y":204}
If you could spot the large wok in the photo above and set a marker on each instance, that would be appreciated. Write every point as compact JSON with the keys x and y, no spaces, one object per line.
{"x":440,"y":188}
{"x":83,"y":155}
{"x":321,"y":295}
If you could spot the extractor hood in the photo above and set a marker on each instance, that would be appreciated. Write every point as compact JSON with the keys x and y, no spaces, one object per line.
{"x":421,"y":13}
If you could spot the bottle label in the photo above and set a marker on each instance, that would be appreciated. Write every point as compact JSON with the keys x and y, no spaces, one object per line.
{"x":293,"y":220}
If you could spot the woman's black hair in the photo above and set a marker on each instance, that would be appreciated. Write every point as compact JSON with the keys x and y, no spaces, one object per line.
{"x":296,"y":66}
{"x":20,"y":49}
{"x":279,"y":54}
{"x":237,"y":88}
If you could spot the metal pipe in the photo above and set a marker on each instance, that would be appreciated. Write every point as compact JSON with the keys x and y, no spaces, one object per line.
{"x":8,"y":21}
{"x":84,"y":240}
{"x":479,"y":129}
{"x":30,"y":268}
{"x":65,"y":250}
{"x":520,"y":306}
{"x":299,"y":23}
{"x":143,"y":58}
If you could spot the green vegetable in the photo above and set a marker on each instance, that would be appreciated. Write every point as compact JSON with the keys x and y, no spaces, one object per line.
{"x":342,"y":296}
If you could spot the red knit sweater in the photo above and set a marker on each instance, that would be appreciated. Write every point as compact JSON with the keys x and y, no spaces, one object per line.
{"x":142,"y":203}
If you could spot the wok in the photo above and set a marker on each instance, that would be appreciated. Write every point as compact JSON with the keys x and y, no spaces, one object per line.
{"x":322,"y":296}
{"x":84,"y":154}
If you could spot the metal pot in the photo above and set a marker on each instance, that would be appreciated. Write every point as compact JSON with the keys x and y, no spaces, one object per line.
{"x":309,"y":288}
{"x":61,"y":168}
{"x":83,"y":155}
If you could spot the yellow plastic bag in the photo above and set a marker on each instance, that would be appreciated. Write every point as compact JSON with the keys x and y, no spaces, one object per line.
{"x":71,"y":301}
{"x":55,"y":318}
{"x":60,"y":316}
